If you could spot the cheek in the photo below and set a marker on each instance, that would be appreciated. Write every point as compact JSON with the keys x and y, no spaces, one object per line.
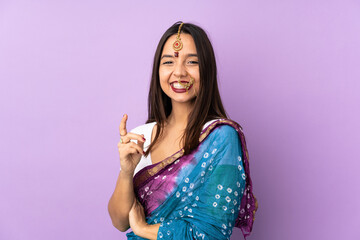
{"x":163,"y":74}
{"x":197,"y":86}
{"x":195,"y":74}
{"x":163,"y":80}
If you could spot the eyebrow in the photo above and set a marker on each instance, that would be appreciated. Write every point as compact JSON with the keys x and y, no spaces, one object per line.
{"x":171,"y":56}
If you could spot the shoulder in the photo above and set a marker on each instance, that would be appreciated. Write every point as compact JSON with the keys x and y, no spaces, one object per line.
{"x":227,"y":132}
{"x":144,"y":128}
{"x":226,"y":129}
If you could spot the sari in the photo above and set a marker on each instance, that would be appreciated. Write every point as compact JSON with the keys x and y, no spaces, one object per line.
{"x":204,"y":194}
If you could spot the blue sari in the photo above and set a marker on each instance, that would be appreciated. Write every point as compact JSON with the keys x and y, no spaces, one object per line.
{"x":204,"y":194}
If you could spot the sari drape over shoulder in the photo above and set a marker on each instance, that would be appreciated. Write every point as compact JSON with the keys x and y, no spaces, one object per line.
{"x":204,"y":194}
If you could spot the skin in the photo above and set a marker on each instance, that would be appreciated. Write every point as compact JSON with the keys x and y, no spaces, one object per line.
{"x":121,"y":201}
{"x":123,"y":207}
{"x":172,"y":68}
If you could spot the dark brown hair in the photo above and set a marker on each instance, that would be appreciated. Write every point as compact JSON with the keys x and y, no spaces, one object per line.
{"x":207,"y":104}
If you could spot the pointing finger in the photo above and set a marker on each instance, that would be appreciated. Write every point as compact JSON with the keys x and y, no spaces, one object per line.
{"x":122,"y":127}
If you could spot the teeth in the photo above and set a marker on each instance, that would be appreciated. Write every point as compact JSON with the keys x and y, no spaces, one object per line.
{"x":177,"y":85}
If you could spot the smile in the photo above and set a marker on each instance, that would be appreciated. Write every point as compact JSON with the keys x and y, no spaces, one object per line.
{"x":178,"y":88}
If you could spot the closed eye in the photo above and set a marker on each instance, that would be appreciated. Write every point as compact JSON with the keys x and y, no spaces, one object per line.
{"x":167,"y":62}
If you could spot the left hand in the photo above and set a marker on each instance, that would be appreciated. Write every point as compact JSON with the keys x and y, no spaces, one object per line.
{"x":137,"y":217}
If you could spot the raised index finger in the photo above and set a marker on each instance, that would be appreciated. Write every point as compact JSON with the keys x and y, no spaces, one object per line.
{"x":122,"y":126}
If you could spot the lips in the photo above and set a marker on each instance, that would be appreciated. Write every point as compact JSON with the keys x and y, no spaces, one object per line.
{"x":176,"y":87}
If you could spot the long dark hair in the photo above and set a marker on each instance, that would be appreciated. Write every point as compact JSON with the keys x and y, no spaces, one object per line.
{"x":207,"y":105}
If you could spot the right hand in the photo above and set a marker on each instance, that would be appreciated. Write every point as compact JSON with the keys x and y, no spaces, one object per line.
{"x":130,"y":152}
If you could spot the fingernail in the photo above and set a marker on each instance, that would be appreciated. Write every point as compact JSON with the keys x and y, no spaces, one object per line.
{"x":144,"y":139}
{"x":143,"y":152}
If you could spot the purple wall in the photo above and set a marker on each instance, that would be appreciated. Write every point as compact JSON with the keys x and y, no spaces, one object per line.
{"x":289,"y":74}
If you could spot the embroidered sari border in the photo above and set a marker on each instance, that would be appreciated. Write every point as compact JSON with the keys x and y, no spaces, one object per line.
{"x":144,"y":175}
{"x":211,"y":127}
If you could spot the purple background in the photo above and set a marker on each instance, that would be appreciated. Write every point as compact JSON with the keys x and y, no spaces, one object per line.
{"x":288,"y":72}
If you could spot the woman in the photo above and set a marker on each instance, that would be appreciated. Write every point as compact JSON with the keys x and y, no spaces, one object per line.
{"x":185,"y":173}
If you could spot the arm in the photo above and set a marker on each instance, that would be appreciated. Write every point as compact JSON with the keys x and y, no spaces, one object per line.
{"x":121,"y":201}
{"x":123,"y":197}
{"x":149,"y":231}
{"x":138,"y":222}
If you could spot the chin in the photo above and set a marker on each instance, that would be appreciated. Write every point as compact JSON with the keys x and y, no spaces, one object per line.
{"x":183,"y":100}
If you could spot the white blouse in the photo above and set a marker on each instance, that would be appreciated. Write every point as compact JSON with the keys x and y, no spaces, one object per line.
{"x":147,"y":129}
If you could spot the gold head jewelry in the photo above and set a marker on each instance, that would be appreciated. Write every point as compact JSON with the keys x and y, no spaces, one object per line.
{"x":178,"y":45}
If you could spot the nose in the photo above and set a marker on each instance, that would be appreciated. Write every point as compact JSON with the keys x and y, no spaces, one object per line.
{"x":179,"y":70}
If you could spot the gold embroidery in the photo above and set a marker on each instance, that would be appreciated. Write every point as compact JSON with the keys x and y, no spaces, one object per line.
{"x":161,"y":165}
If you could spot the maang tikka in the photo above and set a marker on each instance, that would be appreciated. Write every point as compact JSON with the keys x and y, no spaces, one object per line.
{"x":177,"y":46}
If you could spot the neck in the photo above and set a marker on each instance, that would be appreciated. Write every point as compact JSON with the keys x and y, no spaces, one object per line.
{"x":179,"y":114}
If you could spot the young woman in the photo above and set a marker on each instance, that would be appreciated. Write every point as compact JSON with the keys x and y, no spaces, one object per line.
{"x":185,"y":173}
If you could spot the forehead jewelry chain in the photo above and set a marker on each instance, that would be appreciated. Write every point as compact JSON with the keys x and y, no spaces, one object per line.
{"x":178,"y":45}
